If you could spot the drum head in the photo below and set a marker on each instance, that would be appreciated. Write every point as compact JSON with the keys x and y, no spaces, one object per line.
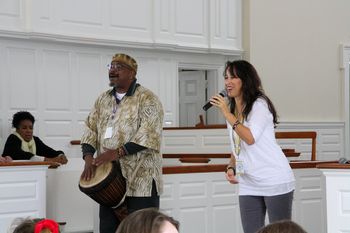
{"x":101,"y":174}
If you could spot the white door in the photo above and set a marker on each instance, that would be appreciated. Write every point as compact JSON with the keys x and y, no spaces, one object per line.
{"x":213,"y":115}
{"x":192,"y":96}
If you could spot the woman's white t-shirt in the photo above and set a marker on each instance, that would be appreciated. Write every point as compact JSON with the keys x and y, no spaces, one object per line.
{"x":266,"y":168}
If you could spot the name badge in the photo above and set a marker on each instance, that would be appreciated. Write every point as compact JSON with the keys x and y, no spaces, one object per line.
{"x":239,"y":167}
{"x":109,"y":132}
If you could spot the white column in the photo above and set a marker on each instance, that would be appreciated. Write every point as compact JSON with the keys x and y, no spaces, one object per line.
{"x":22,"y":193}
{"x":338,"y":199}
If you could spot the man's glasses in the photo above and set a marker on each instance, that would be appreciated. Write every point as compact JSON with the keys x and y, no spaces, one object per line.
{"x":116,"y":66}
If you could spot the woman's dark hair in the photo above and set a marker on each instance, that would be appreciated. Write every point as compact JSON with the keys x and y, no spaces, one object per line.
{"x":20,"y":116}
{"x":251,"y":87}
{"x":30,"y":225}
{"x":147,"y":220}
{"x":284,"y":226}
{"x":27,"y":226}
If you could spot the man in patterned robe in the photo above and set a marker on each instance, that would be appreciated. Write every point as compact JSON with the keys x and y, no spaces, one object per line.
{"x":125,"y":124}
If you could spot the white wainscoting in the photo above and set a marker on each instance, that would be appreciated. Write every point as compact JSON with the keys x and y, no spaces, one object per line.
{"x":206,"y":202}
{"x":12,"y":15}
{"x":226,"y":25}
{"x":110,"y":20}
{"x":22,"y":193}
{"x":59,"y":82}
{"x":309,"y":204}
{"x":201,"y":202}
{"x":183,"y":23}
{"x":338,"y":199}
{"x":199,"y":25}
{"x":65,"y":202}
{"x":206,"y":198}
{"x":329,"y":142}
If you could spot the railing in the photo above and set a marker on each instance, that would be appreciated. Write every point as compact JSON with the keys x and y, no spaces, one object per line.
{"x":205,"y":158}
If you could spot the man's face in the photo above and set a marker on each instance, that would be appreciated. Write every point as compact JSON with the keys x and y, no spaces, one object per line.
{"x":120,"y":75}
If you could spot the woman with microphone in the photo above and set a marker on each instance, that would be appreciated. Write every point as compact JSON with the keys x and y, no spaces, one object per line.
{"x":258,"y":165}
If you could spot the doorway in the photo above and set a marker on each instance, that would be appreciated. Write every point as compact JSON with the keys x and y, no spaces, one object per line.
{"x":195,"y":88}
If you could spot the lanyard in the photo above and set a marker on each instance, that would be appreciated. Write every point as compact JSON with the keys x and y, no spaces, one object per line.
{"x":236,"y":143}
{"x":236,"y":138}
{"x":114,"y":107}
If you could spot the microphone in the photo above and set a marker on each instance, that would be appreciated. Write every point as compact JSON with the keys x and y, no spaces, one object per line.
{"x":343,"y":161}
{"x":208,"y":105}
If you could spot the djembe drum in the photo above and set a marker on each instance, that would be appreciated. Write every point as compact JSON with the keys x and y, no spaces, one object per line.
{"x":107,"y":187}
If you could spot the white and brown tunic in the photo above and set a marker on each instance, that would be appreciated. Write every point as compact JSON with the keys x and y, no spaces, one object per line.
{"x":138,"y":119}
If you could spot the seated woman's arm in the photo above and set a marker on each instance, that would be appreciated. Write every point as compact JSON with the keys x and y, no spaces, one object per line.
{"x":43,"y":150}
{"x":13,"y":149}
{"x":50,"y":154}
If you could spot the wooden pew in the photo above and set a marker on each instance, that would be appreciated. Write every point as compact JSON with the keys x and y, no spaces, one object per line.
{"x":289,"y":152}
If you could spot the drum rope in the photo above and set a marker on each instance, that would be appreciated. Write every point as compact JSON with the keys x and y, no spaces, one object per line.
{"x":131,"y":180}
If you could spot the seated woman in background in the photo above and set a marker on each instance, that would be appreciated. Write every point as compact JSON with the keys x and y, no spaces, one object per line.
{"x":22,"y":145}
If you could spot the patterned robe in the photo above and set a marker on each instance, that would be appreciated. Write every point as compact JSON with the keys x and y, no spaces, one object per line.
{"x":138,"y":119}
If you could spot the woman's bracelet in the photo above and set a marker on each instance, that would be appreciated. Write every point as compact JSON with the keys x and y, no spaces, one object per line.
{"x":235,"y":124}
{"x":233,"y":169}
{"x":121,"y":152}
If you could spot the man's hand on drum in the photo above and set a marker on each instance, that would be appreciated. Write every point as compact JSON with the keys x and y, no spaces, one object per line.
{"x":107,"y":156}
{"x":89,"y":169}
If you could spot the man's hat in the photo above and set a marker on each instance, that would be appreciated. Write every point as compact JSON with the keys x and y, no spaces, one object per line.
{"x":125,"y":59}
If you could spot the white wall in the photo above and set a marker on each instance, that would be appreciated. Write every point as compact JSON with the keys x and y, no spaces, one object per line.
{"x":295,"y":46}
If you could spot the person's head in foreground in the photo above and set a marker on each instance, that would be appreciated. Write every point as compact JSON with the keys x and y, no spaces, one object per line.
{"x":148,"y":220}
{"x":284,"y":226}
{"x":36,"y":225}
